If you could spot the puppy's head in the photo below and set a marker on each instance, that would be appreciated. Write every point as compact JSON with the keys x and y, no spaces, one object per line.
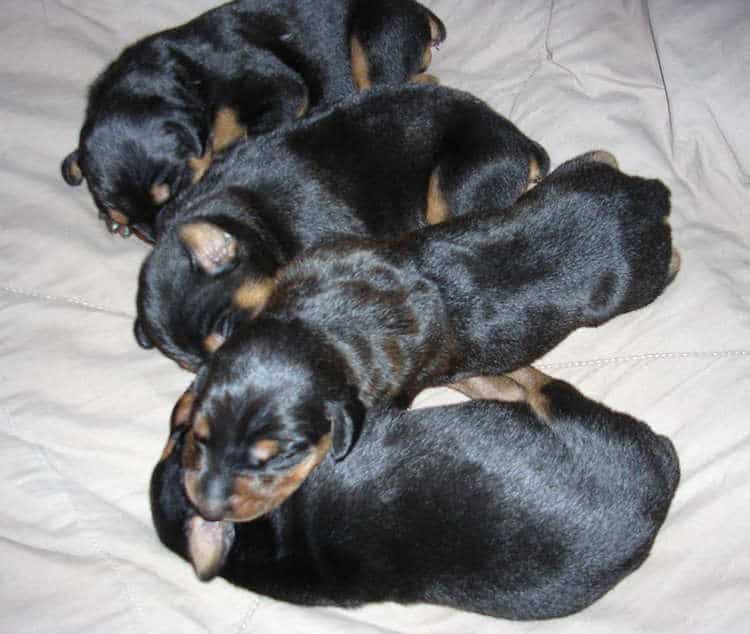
{"x":134,"y":159}
{"x":268,"y":407}
{"x":204,"y":544}
{"x":217,"y":260}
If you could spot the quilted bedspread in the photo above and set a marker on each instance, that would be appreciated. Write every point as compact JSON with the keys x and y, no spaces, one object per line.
{"x":663,"y":84}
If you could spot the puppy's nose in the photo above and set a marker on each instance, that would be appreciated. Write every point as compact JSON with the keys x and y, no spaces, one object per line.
{"x":213,"y":504}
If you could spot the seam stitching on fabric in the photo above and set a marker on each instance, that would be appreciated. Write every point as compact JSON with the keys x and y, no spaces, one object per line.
{"x":64,"y":300}
{"x":648,"y":356}
{"x":561,"y":365}
{"x":249,"y":615}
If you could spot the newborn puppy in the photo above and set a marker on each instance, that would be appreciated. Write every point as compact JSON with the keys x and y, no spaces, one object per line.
{"x":529,"y":509}
{"x":380,"y":165}
{"x":168,"y":103}
{"x":358,"y":324}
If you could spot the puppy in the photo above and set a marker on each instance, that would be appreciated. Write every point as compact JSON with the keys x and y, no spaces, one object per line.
{"x":357,"y":324}
{"x":527,"y":509}
{"x":168,"y":103}
{"x":380,"y":165}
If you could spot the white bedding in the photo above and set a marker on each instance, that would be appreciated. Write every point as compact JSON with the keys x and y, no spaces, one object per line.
{"x":83,"y":411}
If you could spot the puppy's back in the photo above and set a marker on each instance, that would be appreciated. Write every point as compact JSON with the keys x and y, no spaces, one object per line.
{"x":492,"y":509}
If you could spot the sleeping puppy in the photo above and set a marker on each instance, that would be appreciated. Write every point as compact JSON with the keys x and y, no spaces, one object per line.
{"x":357,"y":324}
{"x":382,"y":164}
{"x":168,"y":103}
{"x":527,"y":509}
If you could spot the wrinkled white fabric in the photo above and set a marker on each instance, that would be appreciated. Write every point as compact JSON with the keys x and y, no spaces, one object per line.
{"x":83,"y":411}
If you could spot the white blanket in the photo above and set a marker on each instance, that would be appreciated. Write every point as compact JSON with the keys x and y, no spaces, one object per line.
{"x":83,"y":411}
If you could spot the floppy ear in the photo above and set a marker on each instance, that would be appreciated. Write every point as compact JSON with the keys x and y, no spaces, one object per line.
{"x":214,"y":249}
{"x":144,"y":341}
{"x":346,"y":419}
{"x":71,"y":170}
{"x":209,"y":544}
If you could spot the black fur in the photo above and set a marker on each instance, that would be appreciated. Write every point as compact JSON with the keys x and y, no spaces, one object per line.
{"x":482,"y":506}
{"x":362,"y":169}
{"x":152,"y":109}
{"x":358,"y":323}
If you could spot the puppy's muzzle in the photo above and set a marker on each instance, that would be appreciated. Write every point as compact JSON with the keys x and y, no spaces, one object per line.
{"x":243,"y":498}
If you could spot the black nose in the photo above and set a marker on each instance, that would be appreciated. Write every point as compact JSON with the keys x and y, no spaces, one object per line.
{"x":213,"y":504}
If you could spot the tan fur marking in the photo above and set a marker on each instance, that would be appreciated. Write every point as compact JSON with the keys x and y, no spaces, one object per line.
{"x":202,"y":427}
{"x":200,"y":165}
{"x":534,"y":381}
{"x":191,"y":483}
{"x":437,"y":207}
{"x":253,"y":294}
{"x":360,"y":65}
{"x":427,"y":58}
{"x":118,"y":216}
{"x":255,"y":496}
{"x":535,"y":174}
{"x":266,"y":449}
{"x":425,"y":78}
{"x":160,"y":193}
{"x":531,"y":378}
{"x":75,"y":171}
{"x":190,"y":457}
{"x":211,"y":245}
{"x":227,"y":129}
{"x":494,"y":388}
{"x":182,"y":410}
{"x":522,"y":385}
{"x":675,"y":263}
{"x":213,"y":342}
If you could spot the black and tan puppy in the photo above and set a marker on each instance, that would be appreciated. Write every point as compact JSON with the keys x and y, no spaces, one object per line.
{"x":380,"y":165}
{"x":159,"y":112}
{"x":356,"y":324}
{"x":524,"y":510}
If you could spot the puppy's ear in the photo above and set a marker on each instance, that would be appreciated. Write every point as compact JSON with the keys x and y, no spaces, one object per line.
{"x":346,"y":418}
{"x":71,"y":170}
{"x":437,"y":29}
{"x":213,"y":249}
{"x":209,"y":544}
{"x":144,"y":341}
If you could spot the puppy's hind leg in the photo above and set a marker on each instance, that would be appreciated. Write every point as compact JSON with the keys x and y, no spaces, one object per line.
{"x":522,"y":385}
{"x":490,"y":388}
